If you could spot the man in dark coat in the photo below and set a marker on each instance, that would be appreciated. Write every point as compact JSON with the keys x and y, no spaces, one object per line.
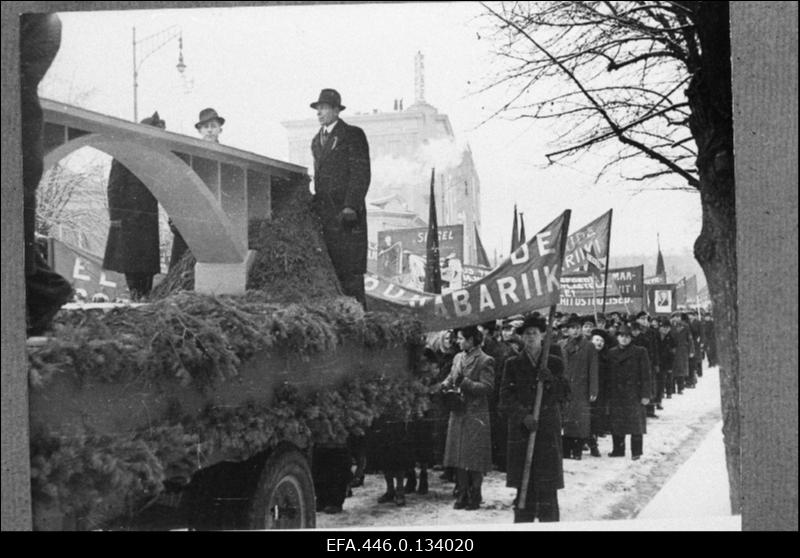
{"x":582,"y":374}
{"x":133,"y":240}
{"x":643,"y":337}
{"x":45,"y":290}
{"x":696,"y":361}
{"x":684,"y":350}
{"x":500,"y":352}
{"x":341,"y":181}
{"x":710,"y":340}
{"x":517,"y":397}
{"x":629,"y":392}
{"x":666,"y":356}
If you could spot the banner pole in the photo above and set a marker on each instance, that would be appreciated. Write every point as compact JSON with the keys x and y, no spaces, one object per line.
{"x":594,"y":298}
{"x":608,"y":257}
{"x":543,"y":358}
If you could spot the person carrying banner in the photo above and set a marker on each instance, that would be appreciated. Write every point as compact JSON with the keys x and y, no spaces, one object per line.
{"x":582,"y":374}
{"x":521,"y":376}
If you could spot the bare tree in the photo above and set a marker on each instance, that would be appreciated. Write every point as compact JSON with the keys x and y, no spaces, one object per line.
{"x":654,"y":80}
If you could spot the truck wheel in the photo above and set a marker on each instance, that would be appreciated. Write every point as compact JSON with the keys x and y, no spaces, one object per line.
{"x":284,"y":497}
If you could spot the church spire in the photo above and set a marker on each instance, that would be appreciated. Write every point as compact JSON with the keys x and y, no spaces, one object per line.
{"x":419,"y":78}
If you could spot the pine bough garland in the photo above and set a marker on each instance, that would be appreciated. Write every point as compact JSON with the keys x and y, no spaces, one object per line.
{"x":202,"y":341}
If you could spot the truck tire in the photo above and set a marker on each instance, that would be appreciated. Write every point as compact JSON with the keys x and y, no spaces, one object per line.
{"x":284,"y":496}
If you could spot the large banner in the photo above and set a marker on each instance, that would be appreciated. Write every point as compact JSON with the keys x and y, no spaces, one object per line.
{"x":581,"y":293}
{"x":85,"y":271}
{"x":589,"y":243}
{"x":529,"y":279}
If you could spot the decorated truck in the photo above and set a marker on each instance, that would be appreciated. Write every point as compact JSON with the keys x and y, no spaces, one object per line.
{"x":200,"y":411}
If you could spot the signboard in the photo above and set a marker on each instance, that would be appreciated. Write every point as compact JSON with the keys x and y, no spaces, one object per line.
{"x":582,"y":293}
{"x":529,"y":279}
{"x":661,"y":299}
{"x":85,"y":271}
{"x":414,"y":241}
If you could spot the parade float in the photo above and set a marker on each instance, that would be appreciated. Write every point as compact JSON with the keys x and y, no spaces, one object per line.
{"x":202,"y":409}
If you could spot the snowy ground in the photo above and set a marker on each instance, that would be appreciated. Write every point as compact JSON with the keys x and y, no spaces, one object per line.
{"x":600,"y":488}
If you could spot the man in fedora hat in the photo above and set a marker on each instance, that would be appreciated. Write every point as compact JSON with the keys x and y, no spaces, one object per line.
{"x":209,"y":124}
{"x":341,"y":181}
{"x":519,"y":383}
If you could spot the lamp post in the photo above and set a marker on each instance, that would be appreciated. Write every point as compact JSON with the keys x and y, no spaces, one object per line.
{"x":154,"y":43}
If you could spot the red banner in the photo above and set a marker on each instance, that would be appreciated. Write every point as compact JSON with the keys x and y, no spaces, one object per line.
{"x":588,"y":244}
{"x":529,"y":279}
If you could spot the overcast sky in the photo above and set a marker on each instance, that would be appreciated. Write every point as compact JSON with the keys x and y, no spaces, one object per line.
{"x":261,"y":66}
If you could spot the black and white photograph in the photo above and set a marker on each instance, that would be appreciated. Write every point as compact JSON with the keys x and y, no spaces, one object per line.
{"x":398,"y":266}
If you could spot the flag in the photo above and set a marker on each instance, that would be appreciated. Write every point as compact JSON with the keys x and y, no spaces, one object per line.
{"x":521,"y":229}
{"x":514,"y":232}
{"x":661,"y":272}
{"x":591,"y":240}
{"x":529,"y":279}
{"x":594,"y":265}
{"x":483,"y":259}
{"x":433,"y":272}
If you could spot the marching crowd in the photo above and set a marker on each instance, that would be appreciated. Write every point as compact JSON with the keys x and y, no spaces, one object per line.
{"x":604,"y":376}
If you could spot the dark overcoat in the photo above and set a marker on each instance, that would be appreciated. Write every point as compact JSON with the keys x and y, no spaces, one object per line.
{"x":599,"y":417}
{"x":469,"y":442}
{"x":629,"y":383}
{"x":133,"y":240}
{"x":581,"y":372}
{"x":517,"y":397}
{"x":341,"y":179}
{"x":683,"y":347}
{"x":666,"y":351}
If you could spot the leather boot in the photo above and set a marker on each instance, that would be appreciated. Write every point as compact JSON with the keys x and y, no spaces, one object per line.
{"x":411,"y":481}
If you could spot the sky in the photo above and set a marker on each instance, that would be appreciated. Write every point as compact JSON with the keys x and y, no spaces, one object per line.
{"x":261,"y":66}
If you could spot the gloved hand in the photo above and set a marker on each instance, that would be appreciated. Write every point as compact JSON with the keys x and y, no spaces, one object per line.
{"x":530,"y":423}
{"x":348,"y":216}
{"x":545,"y":375}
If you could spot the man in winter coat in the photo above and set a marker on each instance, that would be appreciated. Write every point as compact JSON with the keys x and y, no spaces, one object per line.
{"x":209,"y":126}
{"x":709,"y":337}
{"x":500,"y":352}
{"x":581,"y":371}
{"x":642,"y":337}
{"x":629,"y":392}
{"x":696,"y":361}
{"x":517,"y":397}
{"x":469,"y":444}
{"x":133,"y":241}
{"x":684,"y":350}
{"x":341,"y":181}
{"x":666,"y":356}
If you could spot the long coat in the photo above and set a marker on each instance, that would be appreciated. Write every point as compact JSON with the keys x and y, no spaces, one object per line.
{"x":599,"y":409}
{"x":666,"y":351}
{"x":133,"y":242}
{"x":517,"y":397}
{"x":630,"y":382}
{"x":582,"y":374}
{"x":469,"y":442}
{"x":683,"y":347}
{"x":341,"y":179}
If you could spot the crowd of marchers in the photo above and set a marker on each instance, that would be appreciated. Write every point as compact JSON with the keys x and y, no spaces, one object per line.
{"x":603,"y":376}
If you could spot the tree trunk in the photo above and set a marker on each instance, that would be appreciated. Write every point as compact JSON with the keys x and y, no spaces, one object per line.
{"x":711,"y":123}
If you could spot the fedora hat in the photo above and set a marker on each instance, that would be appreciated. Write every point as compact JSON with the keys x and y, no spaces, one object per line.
{"x":532,"y":321}
{"x":207,"y":115}
{"x":330,"y":97}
